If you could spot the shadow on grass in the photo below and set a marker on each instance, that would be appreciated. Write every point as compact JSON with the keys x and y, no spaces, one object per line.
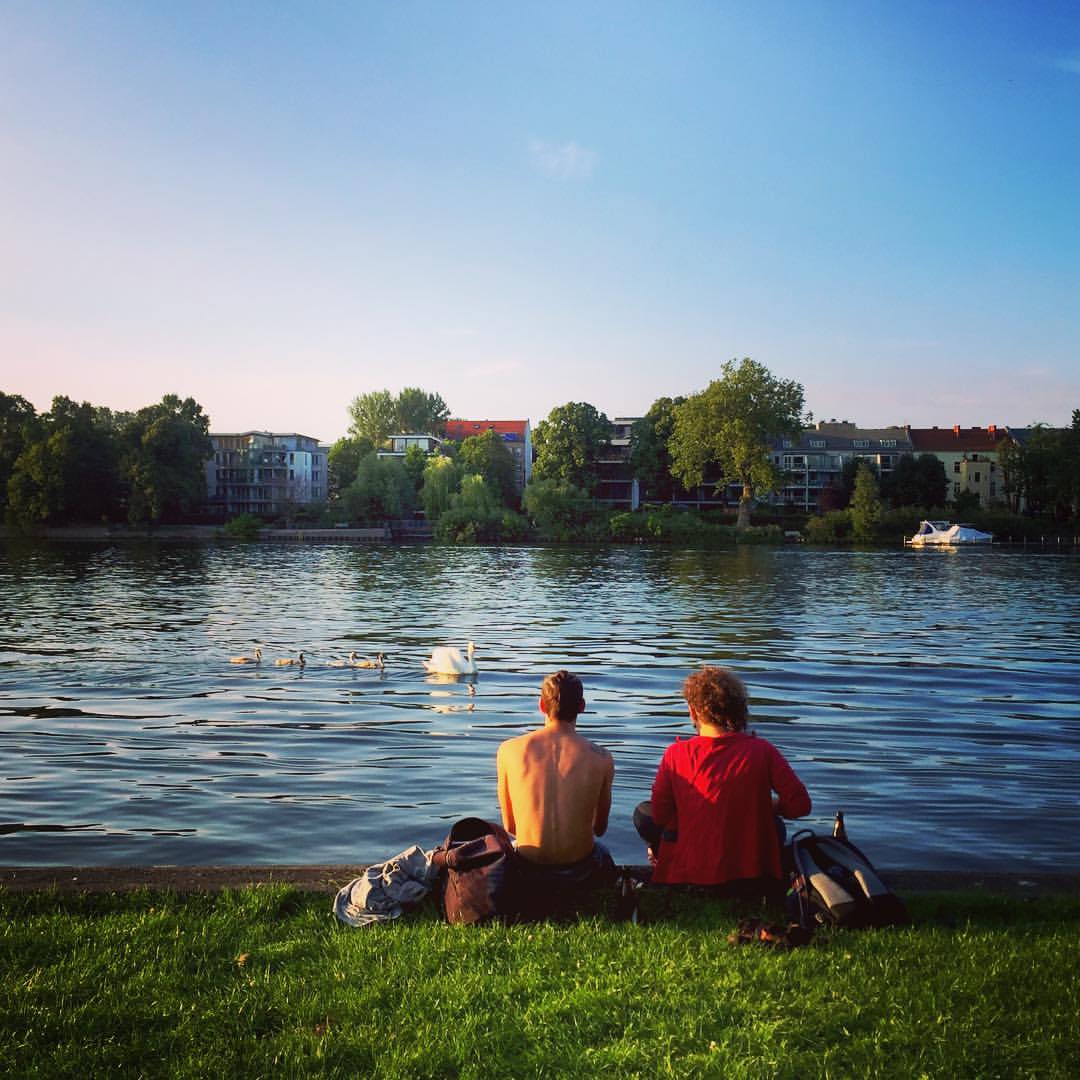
{"x":267,"y":902}
{"x":656,"y":905}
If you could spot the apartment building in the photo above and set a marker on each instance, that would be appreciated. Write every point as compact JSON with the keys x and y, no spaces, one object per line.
{"x":265,"y":473}
{"x":970,"y":457}
{"x":816,"y":460}
{"x":618,"y":486}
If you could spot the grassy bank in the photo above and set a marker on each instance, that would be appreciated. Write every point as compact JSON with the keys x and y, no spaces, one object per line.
{"x":263,"y":982}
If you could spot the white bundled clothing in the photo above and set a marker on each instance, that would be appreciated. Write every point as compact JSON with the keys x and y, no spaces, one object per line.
{"x":383,"y":890}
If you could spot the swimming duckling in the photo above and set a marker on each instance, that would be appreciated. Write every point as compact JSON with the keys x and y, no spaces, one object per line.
{"x":256,"y":659}
{"x":367,"y":663}
{"x":349,"y":662}
{"x":290,"y":661}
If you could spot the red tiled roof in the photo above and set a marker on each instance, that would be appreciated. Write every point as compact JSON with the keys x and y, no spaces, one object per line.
{"x":462,"y":429}
{"x":956,"y":439}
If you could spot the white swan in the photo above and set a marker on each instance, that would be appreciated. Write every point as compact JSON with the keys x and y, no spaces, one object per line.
{"x":290,"y":661}
{"x":366,"y":663}
{"x":350,"y":662}
{"x":256,"y":659}
{"x":446,"y":660}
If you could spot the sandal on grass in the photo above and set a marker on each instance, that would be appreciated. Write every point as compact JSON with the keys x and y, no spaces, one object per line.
{"x":764,"y":933}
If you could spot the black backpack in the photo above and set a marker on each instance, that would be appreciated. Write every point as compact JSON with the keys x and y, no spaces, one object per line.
{"x":834,"y":884}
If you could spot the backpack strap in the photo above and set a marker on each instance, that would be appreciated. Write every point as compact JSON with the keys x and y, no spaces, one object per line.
{"x":835,"y":898}
{"x":849,"y":857}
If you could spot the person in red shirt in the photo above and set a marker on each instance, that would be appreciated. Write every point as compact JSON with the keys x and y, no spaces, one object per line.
{"x":717,"y":800}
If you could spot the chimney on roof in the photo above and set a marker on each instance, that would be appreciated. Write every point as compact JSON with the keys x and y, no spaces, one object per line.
{"x":992,"y":428}
{"x":956,"y":430}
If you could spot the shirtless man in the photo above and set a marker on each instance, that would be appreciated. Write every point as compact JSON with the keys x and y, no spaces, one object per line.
{"x":555,"y":793}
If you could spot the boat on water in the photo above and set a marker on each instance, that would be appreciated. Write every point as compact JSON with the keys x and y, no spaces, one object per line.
{"x":948,"y":534}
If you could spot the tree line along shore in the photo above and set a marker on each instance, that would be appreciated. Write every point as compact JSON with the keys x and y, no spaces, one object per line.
{"x":81,"y":465}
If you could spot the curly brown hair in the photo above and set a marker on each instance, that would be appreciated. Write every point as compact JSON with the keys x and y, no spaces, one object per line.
{"x":563,"y":696}
{"x":718,"y":697}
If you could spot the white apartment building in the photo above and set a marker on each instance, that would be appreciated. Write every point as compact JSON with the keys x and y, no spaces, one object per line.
{"x":265,"y":473}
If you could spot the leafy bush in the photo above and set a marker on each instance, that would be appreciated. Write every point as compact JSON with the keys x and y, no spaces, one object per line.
{"x":831,"y":528}
{"x":1006,"y":525}
{"x":669,"y":525}
{"x":244,"y":527}
{"x":559,"y":511}
{"x":476,"y":516}
{"x":761,"y":534}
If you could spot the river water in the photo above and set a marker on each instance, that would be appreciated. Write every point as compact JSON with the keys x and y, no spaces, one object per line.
{"x":933,"y":695}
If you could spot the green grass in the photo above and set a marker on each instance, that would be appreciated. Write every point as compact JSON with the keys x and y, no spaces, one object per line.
{"x":264,"y":982}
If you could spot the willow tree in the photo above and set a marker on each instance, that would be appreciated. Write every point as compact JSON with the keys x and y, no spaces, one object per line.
{"x":725,"y":429}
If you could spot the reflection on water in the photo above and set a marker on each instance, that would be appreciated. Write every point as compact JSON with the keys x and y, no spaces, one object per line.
{"x":932,"y":695}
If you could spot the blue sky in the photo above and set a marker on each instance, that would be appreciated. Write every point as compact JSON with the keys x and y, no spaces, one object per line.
{"x":273,"y":207}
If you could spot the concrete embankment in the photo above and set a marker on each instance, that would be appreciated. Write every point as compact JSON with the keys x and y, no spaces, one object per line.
{"x":212,"y":533}
{"x":328,"y":879}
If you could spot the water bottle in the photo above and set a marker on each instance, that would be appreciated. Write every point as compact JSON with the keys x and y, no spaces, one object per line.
{"x":838,"y":829}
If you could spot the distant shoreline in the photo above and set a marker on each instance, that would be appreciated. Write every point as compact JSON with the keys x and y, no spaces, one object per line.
{"x":384,"y":534}
{"x":197,"y":533}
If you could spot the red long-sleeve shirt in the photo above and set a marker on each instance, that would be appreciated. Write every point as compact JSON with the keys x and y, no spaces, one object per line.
{"x":716,"y":793}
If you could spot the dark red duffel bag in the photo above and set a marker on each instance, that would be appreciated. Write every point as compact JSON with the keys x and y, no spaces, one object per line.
{"x":478,"y":873}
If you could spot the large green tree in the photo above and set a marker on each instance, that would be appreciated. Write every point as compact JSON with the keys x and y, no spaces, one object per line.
{"x":726,"y":427}
{"x":69,"y":473}
{"x":421,"y":413}
{"x":1043,"y":471}
{"x":569,"y":443}
{"x":373,"y":417}
{"x":381,"y":491}
{"x":650,"y":456}
{"x":166,"y":447}
{"x":487,"y":455}
{"x":20,"y":427}
{"x":865,"y":504}
{"x":342,"y":462}
{"x":377,"y":415}
{"x":916,"y":481}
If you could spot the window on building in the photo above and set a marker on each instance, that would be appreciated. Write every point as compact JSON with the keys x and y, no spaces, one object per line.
{"x":956,"y":466}
{"x":956,"y":488}
{"x":861,"y":444}
{"x":818,"y":444}
{"x":978,"y":478}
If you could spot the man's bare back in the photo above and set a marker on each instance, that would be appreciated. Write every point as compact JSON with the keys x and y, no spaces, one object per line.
{"x":554,"y":791}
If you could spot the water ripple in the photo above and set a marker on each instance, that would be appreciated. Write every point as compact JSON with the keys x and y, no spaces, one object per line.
{"x":933,"y":698}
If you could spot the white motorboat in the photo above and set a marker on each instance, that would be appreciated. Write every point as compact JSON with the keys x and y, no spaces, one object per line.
{"x":947,"y":534}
